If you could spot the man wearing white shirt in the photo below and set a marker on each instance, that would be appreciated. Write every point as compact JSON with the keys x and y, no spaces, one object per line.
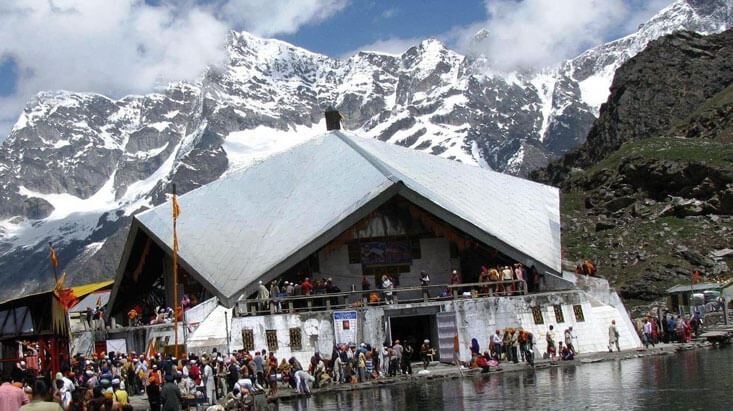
{"x":208,"y":381}
{"x":648,"y":334}
{"x":497,"y":340}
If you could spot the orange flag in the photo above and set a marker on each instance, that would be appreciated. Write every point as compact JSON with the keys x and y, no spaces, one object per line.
{"x":67,"y":298}
{"x":54,"y":257}
{"x":176,"y":208}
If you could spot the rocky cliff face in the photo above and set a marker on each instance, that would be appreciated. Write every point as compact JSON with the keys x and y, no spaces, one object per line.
{"x":688,"y":68}
{"x":76,"y":166}
{"x":649,"y":196}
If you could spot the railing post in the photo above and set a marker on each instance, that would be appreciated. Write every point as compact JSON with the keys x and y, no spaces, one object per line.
{"x":290,"y":306}
{"x":310,"y":304}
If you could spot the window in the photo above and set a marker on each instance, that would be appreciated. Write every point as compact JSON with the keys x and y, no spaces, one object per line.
{"x":537,"y":315}
{"x":578,"y":310}
{"x":271,"y":336}
{"x":296,"y":341}
{"x":354,"y":252}
{"x":248,"y":339}
{"x":559,"y":317}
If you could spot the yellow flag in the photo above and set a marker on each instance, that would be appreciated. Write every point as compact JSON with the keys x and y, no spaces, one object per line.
{"x":176,"y":208}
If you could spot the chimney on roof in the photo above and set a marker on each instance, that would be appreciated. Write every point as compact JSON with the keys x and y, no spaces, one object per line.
{"x":333,"y":119}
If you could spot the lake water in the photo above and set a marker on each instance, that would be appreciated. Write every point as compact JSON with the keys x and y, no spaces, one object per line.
{"x":698,"y":379}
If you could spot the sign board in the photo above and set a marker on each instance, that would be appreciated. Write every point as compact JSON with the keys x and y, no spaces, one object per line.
{"x":344,"y":327}
{"x":385,"y":253}
{"x":117,"y":346}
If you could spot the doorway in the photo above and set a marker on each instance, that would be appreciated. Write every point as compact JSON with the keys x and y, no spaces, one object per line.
{"x":413,"y":330}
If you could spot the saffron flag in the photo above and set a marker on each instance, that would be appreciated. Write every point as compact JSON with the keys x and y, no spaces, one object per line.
{"x":65,"y":295}
{"x":54,"y":257}
{"x":176,"y":213}
{"x":67,"y":298}
{"x":176,"y":208}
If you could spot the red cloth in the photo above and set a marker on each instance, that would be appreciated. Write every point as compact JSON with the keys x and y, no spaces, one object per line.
{"x":306,"y":287}
{"x":195,"y":374}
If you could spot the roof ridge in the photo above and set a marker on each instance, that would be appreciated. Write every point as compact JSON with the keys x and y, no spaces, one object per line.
{"x":369,"y":157}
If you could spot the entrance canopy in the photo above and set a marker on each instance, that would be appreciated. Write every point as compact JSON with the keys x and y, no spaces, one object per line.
{"x":255,"y":223}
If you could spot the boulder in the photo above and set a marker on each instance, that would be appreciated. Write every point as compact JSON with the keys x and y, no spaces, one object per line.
{"x":688,"y":207}
{"x":694,"y":257}
{"x":605,"y":224}
{"x":619,"y":203}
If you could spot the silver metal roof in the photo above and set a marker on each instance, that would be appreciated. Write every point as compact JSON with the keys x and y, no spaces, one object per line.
{"x":257,"y":222}
{"x":681,"y":288}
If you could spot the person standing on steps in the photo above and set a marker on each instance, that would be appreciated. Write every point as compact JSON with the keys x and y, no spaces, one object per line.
{"x":426,"y":354}
{"x":551,"y":347}
{"x":569,"y":340}
{"x":613,"y":337}
{"x":497,"y":340}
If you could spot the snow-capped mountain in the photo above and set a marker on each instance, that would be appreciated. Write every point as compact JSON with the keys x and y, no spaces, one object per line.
{"x":76,"y":166}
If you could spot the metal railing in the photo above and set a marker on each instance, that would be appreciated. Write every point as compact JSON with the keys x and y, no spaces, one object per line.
{"x":380,"y":296}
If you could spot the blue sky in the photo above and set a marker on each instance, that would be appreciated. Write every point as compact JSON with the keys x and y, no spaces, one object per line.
{"x":370,"y":22}
{"x":132,"y":46}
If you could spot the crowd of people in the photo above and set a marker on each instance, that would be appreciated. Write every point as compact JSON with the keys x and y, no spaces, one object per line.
{"x":517,"y":344}
{"x":224,"y":381}
{"x":273,"y":297}
{"x":669,"y":328}
{"x":498,"y":280}
{"x":240,"y":379}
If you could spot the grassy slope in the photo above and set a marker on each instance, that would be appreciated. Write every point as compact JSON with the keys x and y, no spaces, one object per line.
{"x":641,"y":252}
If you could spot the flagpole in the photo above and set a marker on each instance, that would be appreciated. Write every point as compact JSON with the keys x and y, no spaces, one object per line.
{"x":175,"y":271}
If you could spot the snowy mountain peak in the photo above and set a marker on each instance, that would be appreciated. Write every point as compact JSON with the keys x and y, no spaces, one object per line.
{"x":594,"y":69}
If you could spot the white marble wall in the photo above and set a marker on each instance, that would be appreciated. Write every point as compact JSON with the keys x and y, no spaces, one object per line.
{"x":475,"y":318}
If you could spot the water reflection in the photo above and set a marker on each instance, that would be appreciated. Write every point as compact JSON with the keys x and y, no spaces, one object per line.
{"x":691,"y":380}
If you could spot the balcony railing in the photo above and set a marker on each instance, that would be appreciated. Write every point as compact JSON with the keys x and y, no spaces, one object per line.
{"x":376,"y":297}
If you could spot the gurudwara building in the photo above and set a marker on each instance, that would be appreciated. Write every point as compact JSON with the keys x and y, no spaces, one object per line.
{"x":329,"y":220}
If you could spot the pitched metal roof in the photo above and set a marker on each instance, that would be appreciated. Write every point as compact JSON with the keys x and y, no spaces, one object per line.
{"x":255,"y":223}
{"x":681,"y":288}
